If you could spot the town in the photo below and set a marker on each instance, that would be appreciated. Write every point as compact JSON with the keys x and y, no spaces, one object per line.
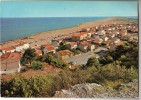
{"x":73,"y":48}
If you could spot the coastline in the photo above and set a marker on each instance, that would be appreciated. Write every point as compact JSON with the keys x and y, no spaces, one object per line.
{"x":47,"y":36}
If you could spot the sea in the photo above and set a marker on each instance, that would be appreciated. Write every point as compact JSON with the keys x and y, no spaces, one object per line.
{"x":13,"y":28}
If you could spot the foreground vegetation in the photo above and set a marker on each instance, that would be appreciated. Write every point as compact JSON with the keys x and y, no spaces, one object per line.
{"x":119,"y":66}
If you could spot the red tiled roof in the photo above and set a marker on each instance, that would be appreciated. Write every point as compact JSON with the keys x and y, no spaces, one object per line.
{"x":7,"y":48}
{"x":79,"y":34}
{"x":73,"y":43}
{"x":85,"y":43}
{"x":96,"y":41}
{"x":20,"y":44}
{"x":38,"y":52}
{"x":64,"y":52}
{"x":11,"y":55}
{"x":49,"y":47}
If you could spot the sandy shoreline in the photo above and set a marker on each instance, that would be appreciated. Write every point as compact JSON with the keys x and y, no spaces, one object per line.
{"x":47,"y":36}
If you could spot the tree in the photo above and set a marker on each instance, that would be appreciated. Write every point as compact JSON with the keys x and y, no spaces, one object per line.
{"x":92,"y":62}
{"x":106,"y":60}
{"x":37,"y":65}
{"x":28,"y":56}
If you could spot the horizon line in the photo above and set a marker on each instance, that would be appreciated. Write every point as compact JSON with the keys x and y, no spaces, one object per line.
{"x":68,"y":16}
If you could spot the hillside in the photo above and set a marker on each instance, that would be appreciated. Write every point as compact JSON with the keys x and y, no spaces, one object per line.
{"x":93,"y":90}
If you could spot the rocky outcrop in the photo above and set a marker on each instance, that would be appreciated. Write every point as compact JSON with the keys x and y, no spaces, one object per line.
{"x":93,"y":90}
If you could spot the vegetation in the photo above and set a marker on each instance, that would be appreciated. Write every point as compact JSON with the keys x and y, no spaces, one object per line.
{"x":127,"y":54}
{"x":46,"y":85}
{"x":36,"y":65}
{"x":52,"y":59}
{"x":63,"y":46}
{"x":92,"y":62}
{"x":121,"y":65}
{"x":28,"y":56}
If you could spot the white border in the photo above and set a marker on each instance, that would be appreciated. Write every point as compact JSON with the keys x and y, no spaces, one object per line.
{"x":139,"y":10}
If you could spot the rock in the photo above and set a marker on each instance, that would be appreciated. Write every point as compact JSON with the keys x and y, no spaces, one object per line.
{"x":93,"y":90}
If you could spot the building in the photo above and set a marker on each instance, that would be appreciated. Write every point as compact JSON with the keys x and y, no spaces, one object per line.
{"x":64,"y":54}
{"x":38,"y":50}
{"x":7,"y":49}
{"x":56,"y":42}
{"x":116,"y":40}
{"x":72,"y":45}
{"x":85,"y":46}
{"x":79,"y":36}
{"x":48,"y":48}
{"x":10,"y":62}
{"x":101,"y":32}
{"x":97,"y":41}
{"x":21,"y":46}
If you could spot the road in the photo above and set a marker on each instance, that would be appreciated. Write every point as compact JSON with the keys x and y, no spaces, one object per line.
{"x":83,"y":58}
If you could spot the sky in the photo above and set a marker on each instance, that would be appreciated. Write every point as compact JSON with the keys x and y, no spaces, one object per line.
{"x":68,"y":8}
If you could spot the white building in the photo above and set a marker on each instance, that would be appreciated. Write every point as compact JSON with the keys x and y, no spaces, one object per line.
{"x":21,"y":46}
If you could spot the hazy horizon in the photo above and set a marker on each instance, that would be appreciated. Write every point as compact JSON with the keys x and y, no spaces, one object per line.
{"x":11,"y":9}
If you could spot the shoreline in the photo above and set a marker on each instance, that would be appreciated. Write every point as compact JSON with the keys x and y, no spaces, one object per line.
{"x":63,"y":31}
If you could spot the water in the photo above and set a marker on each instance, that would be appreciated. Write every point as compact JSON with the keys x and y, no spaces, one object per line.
{"x":13,"y":28}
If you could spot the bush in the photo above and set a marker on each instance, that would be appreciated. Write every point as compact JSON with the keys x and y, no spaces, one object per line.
{"x":37,"y":65}
{"x":92,"y":62}
{"x":52,"y":60}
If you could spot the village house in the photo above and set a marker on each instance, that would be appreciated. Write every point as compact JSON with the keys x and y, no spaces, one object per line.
{"x":72,"y":45}
{"x":79,"y":36}
{"x":98,"y":40}
{"x":10,"y":61}
{"x":123,"y":34}
{"x":64,"y":54}
{"x":101,"y":32}
{"x":21,"y":46}
{"x":48,"y":48}
{"x":111,"y":34}
{"x":104,"y":37}
{"x":38,"y":50}
{"x":85,"y":46}
{"x":7,"y":49}
{"x":56,"y":42}
{"x":85,"y":29}
{"x":116,"y":40}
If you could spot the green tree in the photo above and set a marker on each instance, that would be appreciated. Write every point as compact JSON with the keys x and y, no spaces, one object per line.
{"x":106,"y":60}
{"x":28,"y":56}
{"x":36,"y":65}
{"x":92,"y":62}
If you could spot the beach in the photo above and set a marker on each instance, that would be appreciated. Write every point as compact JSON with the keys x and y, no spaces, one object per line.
{"x":43,"y":37}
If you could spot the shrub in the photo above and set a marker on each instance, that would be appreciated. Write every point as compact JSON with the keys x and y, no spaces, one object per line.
{"x":37,"y":65}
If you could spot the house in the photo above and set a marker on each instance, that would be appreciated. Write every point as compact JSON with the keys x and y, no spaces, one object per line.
{"x":79,"y":36}
{"x":116,"y":40}
{"x":10,"y":61}
{"x":63,"y":54}
{"x":56,"y":42}
{"x":101,"y":32}
{"x":21,"y":46}
{"x":38,"y":51}
{"x":85,"y":29}
{"x":48,"y":48}
{"x":85,"y":46}
{"x":111,"y":34}
{"x":97,"y":41}
{"x":72,"y":45}
{"x":123,"y":34}
{"x":7,"y":49}
{"x":104,"y":37}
